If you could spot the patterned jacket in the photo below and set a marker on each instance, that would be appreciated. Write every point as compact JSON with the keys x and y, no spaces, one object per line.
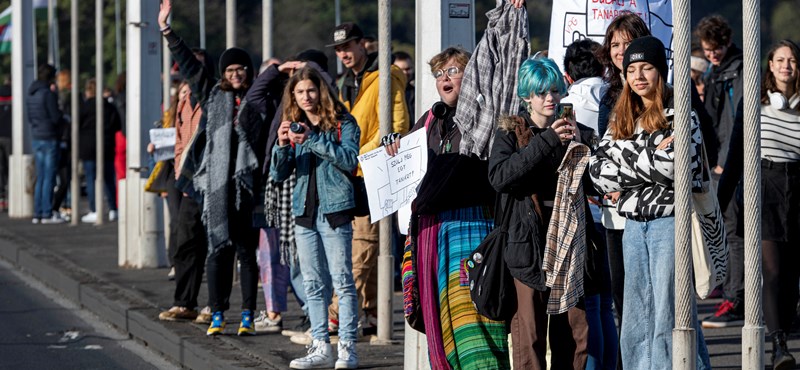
{"x":641,"y":172}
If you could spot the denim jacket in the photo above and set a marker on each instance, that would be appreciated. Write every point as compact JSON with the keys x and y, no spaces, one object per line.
{"x":335,"y":159}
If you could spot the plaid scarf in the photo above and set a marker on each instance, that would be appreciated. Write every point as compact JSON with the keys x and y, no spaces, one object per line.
{"x":278,"y":211}
{"x":565,"y":252}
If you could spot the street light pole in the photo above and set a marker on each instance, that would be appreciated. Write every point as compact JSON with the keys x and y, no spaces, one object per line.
{"x":230,"y":23}
{"x":202,"y":12}
{"x":385,"y":257}
{"x":99,"y":183}
{"x":266,"y":30}
{"x":75,"y":184}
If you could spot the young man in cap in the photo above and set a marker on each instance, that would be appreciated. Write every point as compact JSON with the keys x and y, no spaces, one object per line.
{"x":358,"y":90}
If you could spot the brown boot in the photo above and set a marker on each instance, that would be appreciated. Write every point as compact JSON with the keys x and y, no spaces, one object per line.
{"x":178,"y":314}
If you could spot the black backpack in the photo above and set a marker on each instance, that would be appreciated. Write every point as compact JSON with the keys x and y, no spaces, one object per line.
{"x":491,"y":285}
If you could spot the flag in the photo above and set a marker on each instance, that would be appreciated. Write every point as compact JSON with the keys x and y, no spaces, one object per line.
{"x":40,"y":9}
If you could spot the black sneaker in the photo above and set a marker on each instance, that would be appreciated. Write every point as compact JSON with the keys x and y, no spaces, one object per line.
{"x":727,"y":315}
{"x":301,"y":328}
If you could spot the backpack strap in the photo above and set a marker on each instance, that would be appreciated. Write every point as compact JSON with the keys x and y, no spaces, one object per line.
{"x":429,"y":119}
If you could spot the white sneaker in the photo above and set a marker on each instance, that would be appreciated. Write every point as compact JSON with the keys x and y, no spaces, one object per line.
{"x":348,"y":359}
{"x":266,"y":325}
{"x":89,"y":218}
{"x":54,"y":219}
{"x":302,"y":339}
{"x":112,"y":216}
{"x":320,"y":356}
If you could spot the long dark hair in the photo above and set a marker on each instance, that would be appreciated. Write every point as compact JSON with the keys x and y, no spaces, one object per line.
{"x":632,"y":25}
{"x":769,"y":79}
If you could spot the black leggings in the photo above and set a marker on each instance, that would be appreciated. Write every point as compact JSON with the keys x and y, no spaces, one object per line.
{"x":779,"y":268}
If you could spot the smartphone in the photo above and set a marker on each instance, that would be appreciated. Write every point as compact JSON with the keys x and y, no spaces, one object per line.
{"x":565,"y":111}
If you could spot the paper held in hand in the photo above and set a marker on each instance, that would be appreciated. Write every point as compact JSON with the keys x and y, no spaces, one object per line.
{"x":392,"y":182}
{"x":164,"y":141}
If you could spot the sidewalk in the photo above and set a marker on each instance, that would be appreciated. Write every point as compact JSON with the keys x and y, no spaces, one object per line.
{"x":81,"y":263}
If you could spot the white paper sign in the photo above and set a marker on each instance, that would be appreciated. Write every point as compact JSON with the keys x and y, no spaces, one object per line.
{"x":391,"y":182}
{"x":573,"y":20}
{"x":164,"y":141}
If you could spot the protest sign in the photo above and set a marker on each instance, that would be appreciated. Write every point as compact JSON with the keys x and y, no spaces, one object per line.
{"x":573,"y":20}
{"x":164,"y":141}
{"x":392,"y":181}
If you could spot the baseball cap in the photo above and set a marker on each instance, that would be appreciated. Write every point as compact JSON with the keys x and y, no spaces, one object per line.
{"x":345,"y":32}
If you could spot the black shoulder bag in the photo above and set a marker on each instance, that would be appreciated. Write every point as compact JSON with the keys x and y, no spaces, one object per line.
{"x":491,"y":286}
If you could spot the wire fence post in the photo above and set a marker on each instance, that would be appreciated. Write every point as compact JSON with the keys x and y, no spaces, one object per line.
{"x":753,"y":330}
{"x":385,"y":258}
{"x":684,"y":337}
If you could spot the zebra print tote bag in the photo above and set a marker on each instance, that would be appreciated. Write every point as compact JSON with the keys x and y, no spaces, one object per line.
{"x":709,"y":247}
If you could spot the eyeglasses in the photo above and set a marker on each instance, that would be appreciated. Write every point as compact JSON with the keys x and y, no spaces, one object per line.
{"x":239,"y":70}
{"x":451,"y":72}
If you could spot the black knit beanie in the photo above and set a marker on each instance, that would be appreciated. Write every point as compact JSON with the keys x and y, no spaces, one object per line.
{"x":646,"y":49}
{"x":316,"y":56}
{"x":236,"y":56}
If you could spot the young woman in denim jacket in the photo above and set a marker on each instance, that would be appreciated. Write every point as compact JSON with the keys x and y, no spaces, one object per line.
{"x":320,"y":139}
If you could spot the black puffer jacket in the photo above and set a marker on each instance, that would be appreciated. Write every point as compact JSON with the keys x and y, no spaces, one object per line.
{"x":522,"y":173}
{"x":43,"y":113}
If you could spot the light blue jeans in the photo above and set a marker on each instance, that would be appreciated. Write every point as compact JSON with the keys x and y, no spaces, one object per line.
{"x":327,"y":261}
{"x":46,"y":162}
{"x":648,"y":249}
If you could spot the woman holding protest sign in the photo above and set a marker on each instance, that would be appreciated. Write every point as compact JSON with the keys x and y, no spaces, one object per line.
{"x":452,"y":215}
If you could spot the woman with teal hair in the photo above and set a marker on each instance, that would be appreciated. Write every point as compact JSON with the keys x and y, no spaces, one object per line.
{"x":528,"y":150}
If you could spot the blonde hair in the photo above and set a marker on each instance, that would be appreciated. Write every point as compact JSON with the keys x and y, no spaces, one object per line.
{"x":630,"y":109}
{"x":329,"y":108}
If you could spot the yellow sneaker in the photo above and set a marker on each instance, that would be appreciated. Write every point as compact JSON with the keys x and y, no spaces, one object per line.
{"x":217,"y":324}
{"x":247,"y":327}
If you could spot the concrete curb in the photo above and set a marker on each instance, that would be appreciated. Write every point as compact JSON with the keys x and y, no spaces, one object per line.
{"x":125,"y":310}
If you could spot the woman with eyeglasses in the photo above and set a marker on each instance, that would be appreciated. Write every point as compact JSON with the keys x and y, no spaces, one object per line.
{"x":527,"y":153}
{"x":227,"y":171}
{"x":319,"y":139}
{"x":452,"y":213}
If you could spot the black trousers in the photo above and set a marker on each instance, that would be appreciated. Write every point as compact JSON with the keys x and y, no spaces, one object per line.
{"x":174,"y":198}
{"x":63,"y":177}
{"x":244,"y":238}
{"x":190,"y":253}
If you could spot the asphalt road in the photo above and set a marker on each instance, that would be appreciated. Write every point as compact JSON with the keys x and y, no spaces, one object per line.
{"x":41,"y":330}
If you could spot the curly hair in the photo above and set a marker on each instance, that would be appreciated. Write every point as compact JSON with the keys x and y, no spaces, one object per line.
{"x":769,"y":83}
{"x":328,"y":107}
{"x":634,"y":27}
{"x":714,"y":30}
{"x":462,"y":57}
{"x":580,"y":62}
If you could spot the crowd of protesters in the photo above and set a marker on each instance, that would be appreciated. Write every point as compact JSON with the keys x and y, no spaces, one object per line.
{"x":265,"y":179}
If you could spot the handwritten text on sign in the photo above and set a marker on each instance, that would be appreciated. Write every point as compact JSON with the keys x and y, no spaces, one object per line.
{"x":392,"y":181}
{"x":164,"y":141}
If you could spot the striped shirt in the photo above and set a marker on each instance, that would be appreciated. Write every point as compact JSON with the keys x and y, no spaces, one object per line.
{"x":780,"y":134}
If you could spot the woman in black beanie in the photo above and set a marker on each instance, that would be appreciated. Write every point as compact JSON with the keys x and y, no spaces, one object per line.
{"x":635,"y":158}
{"x":228,"y":177}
